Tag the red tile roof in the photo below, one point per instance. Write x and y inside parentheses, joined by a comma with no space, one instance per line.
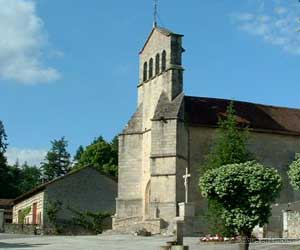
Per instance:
(205,111)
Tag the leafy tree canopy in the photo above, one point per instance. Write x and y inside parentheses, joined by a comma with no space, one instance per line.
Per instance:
(245,192)
(102,155)
(57,161)
(294,172)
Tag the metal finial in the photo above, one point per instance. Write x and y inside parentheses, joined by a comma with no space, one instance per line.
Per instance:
(155,13)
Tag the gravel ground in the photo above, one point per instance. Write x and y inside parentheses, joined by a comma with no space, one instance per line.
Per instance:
(116,242)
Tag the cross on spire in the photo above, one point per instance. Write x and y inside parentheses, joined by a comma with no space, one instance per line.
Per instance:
(155,13)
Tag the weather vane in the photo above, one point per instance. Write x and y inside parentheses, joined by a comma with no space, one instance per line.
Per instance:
(155,13)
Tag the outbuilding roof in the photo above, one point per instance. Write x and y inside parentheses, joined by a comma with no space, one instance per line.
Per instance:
(6,202)
(43,186)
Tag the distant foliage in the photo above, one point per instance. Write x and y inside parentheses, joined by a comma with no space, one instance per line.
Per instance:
(78,154)
(294,172)
(8,185)
(30,177)
(3,147)
(244,191)
(57,161)
(3,141)
(102,155)
(16,179)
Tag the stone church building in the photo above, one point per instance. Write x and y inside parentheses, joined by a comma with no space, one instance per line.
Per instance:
(170,133)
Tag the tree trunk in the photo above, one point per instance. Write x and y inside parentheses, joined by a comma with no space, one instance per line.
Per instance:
(245,241)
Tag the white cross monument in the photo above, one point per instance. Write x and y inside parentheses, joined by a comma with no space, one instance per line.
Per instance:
(186,208)
(186,185)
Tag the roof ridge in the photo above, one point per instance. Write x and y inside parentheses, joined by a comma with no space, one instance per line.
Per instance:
(248,102)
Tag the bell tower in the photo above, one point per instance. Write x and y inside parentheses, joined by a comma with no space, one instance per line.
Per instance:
(148,159)
(160,70)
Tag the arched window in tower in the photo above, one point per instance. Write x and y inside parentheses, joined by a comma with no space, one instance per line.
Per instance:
(157,64)
(150,68)
(164,61)
(145,71)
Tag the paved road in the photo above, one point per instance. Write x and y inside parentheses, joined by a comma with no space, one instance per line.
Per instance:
(113,242)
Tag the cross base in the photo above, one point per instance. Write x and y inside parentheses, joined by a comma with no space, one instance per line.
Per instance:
(186,209)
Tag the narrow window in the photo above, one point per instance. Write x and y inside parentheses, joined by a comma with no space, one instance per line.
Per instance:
(157,64)
(145,72)
(164,61)
(150,68)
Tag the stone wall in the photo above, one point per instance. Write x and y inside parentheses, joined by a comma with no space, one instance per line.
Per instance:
(291,224)
(86,190)
(20,229)
(272,150)
(168,164)
(130,191)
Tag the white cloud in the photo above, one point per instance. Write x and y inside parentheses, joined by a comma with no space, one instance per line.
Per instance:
(280,10)
(31,156)
(243,16)
(275,21)
(22,39)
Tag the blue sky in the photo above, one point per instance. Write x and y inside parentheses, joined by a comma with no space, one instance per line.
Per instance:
(70,67)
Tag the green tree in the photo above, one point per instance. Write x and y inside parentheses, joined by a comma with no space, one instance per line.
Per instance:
(78,153)
(14,180)
(3,145)
(294,172)
(57,161)
(245,192)
(115,146)
(230,146)
(30,177)
(100,154)
(7,187)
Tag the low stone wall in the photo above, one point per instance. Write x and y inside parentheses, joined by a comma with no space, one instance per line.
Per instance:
(291,224)
(66,227)
(133,224)
(20,229)
(125,222)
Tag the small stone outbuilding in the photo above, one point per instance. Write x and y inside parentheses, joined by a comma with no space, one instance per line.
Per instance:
(85,189)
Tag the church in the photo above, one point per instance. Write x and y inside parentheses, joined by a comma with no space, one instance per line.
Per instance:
(164,145)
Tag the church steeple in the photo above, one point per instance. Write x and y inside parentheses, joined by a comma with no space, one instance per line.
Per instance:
(161,58)
(160,69)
